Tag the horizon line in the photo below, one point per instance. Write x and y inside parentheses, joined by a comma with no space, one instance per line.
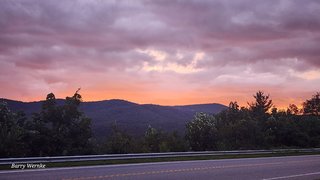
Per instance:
(204,103)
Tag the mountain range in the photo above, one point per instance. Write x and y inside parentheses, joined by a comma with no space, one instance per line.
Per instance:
(131,117)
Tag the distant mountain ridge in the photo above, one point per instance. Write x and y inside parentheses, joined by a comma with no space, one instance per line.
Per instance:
(132,117)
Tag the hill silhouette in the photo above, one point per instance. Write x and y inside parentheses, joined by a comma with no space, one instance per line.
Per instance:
(131,117)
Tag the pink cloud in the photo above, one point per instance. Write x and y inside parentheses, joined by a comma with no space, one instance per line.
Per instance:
(58,46)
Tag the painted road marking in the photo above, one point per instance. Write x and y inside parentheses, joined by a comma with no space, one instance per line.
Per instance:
(171,171)
(293,176)
(199,169)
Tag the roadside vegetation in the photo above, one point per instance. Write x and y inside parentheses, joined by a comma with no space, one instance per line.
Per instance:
(64,130)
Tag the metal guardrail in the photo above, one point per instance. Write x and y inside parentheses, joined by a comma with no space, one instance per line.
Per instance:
(4,161)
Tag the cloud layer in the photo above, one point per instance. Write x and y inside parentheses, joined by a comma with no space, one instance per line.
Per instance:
(165,52)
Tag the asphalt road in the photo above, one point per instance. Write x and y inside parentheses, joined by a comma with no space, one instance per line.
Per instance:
(292,167)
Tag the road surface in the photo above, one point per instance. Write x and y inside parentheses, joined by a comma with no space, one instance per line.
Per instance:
(272,168)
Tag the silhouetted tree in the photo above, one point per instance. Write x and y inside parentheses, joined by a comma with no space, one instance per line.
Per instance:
(312,106)
(60,130)
(152,139)
(262,103)
(119,142)
(175,142)
(293,109)
(202,133)
(12,132)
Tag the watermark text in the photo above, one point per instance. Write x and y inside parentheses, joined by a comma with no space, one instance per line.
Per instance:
(28,166)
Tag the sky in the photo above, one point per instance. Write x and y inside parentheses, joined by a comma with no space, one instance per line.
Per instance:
(166,52)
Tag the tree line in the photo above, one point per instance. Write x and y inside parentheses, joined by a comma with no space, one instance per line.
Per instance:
(65,130)
(258,126)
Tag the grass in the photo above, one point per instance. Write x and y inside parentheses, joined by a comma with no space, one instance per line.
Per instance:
(164,159)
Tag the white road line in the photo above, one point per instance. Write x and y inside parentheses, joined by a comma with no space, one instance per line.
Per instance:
(292,176)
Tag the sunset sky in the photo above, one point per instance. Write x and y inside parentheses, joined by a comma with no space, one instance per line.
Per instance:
(161,52)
